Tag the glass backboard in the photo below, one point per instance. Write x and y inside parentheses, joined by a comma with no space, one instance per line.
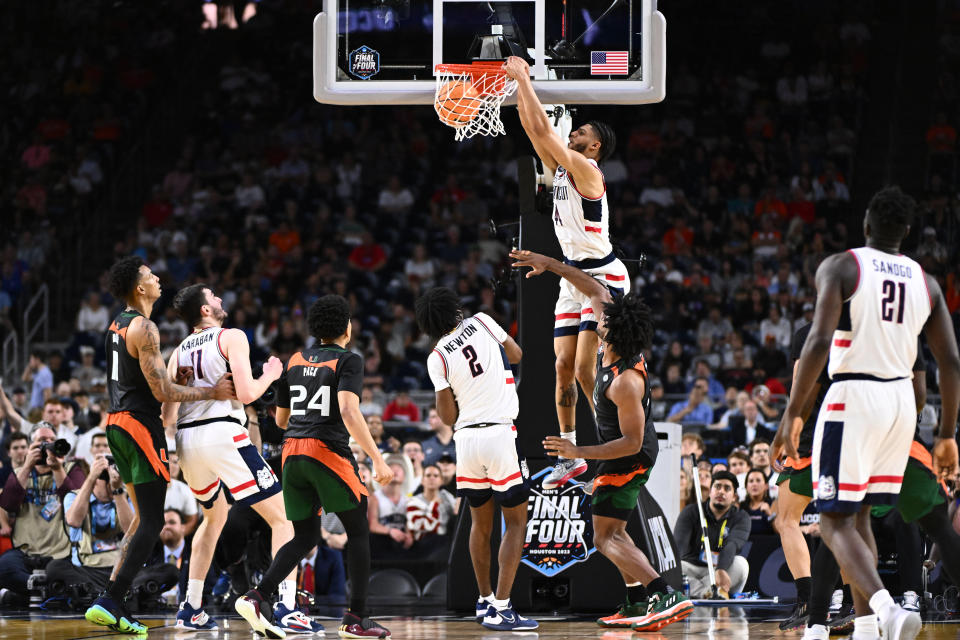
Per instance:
(580,51)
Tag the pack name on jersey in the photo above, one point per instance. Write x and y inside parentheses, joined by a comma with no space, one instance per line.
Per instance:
(197,341)
(457,342)
(892,268)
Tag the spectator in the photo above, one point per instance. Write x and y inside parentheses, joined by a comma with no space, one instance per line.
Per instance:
(691,444)
(714,325)
(38,374)
(413,450)
(391,444)
(93,317)
(86,372)
(757,504)
(715,390)
(67,428)
(429,513)
(448,469)
(750,426)
(732,405)
(658,404)
(387,513)
(179,498)
(395,198)
(369,406)
(931,253)
(738,462)
(171,562)
(92,444)
(441,442)
(15,448)
(728,529)
(696,409)
(33,493)
(401,408)
(761,395)
(941,136)
(777,327)
(760,455)
(420,266)
(368,255)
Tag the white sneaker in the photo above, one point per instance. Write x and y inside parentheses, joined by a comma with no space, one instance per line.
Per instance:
(836,602)
(901,625)
(816,632)
(565,469)
(911,601)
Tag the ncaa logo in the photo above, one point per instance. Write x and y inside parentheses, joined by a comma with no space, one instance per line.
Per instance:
(364,62)
(265,478)
(826,488)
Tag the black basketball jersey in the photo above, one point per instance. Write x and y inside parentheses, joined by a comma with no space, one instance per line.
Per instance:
(608,418)
(128,387)
(806,435)
(309,389)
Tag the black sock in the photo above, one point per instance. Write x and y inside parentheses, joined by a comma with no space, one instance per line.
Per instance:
(803,589)
(847,595)
(657,585)
(357,528)
(306,533)
(636,593)
(150,497)
(824,574)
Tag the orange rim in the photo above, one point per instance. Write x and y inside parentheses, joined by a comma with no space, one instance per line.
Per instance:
(492,67)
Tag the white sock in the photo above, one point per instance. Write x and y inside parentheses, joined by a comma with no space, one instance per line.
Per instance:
(488,598)
(881,603)
(195,593)
(866,627)
(569,437)
(817,631)
(288,593)
(500,605)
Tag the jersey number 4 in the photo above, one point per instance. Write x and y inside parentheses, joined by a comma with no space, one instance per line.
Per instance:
(893,297)
(471,355)
(319,402)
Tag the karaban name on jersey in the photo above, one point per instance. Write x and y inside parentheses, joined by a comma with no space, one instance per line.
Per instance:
(309,389)
(472,362)
(880,321)
(582,224)
(201,350)
(127,387)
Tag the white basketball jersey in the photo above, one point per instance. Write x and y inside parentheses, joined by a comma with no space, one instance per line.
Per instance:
(880,322)
(472,362)
(582,224)
(201,350)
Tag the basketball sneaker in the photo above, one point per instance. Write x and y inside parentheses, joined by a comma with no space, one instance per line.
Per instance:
(836,602)
(294,620)
(565,469)
(911,601)
(664,609)
(797,618)
(507,619)
(816,632)
(841,624)
(482,605)
(256,612)
(353,626)
(900,624)
(190,619)
(626,615)
(107,612)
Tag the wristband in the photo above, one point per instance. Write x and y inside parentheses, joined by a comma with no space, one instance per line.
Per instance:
(119,492)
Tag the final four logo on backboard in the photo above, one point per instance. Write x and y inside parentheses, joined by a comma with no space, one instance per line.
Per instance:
(364,62)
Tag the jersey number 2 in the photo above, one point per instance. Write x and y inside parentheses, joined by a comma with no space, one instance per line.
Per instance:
(319,402)
(471,355)
(892,291)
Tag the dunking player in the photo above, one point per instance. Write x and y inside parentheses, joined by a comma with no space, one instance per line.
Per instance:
(216,452)
(581,220)
(137,383)
(318,403)
(872,303)
(628,448)
(923,499)
(476,393)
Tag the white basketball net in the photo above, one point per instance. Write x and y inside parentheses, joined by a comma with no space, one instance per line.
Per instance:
(489,90)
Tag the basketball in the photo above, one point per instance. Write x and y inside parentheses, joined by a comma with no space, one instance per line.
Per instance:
(457,103)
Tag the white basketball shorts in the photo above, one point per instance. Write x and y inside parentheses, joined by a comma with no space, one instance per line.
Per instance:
(574,311)
(488,464)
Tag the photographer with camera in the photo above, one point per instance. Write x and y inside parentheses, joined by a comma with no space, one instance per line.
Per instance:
(33,493)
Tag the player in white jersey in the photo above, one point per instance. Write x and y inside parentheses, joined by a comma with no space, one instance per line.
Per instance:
(476,393)
(216,452)
(581,220)
(872,303)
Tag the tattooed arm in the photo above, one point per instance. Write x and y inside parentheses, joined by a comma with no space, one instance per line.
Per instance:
(145,339)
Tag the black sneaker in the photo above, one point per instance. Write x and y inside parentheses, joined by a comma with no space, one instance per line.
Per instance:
(257,612)
(797,619)
(353,626)
(842,623)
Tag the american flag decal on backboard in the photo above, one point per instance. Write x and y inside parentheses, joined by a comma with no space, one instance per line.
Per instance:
(608,62)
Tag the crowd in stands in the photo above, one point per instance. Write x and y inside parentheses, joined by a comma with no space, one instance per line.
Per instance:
(735,188)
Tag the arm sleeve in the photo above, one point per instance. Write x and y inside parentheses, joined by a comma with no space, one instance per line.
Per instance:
(735,540)
(437,368)
(351,374)
(283,391)
(495,329)
(13,494)
(72,482)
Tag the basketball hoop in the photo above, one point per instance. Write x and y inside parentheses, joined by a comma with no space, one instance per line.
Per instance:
(468,97)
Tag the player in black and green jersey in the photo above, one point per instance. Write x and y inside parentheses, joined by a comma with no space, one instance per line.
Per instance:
(318,403)
(628,444)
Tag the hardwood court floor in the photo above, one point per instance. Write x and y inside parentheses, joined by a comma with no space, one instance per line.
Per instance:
(709,625)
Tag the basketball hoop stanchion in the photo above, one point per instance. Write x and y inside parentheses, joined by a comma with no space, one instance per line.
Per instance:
(469,96)
(707,554)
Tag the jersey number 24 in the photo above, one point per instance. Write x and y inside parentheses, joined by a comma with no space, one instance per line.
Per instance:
(319,402)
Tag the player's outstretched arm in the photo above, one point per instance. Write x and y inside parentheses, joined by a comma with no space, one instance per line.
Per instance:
(943,344)
(237,350)
(356,425)
(145,338)
(587,285)
(626,392)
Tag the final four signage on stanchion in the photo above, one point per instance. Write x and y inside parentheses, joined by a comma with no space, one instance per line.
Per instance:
(559,526)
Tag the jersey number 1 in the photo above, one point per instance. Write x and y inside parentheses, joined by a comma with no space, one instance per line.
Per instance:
(471,355)
(891,292)
(319,402)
